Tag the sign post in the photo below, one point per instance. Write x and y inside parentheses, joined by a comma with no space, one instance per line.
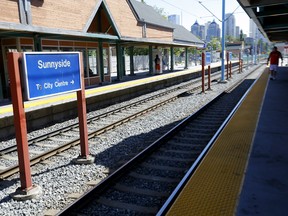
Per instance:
(203,72)
(45,74)
(27,190)
(53,73)
(227,66)
(230,64)
(85,157)
(208,62)
(239,61)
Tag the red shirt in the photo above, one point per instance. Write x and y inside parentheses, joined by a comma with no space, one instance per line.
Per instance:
(274,57)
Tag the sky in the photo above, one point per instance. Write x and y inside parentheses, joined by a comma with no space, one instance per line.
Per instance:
(192,10)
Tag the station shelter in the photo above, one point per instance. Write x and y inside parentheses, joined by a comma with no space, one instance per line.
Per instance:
(100,29)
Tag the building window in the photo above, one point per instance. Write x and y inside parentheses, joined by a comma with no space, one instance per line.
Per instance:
(106,60)
(92,62)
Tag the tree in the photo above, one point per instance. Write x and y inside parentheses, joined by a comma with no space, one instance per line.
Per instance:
(158,10)
(214,44)
(161,11)
(138,51)
(241,35)
(230,38)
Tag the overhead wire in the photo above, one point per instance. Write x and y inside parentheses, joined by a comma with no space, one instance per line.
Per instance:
(209,11)
(200,2)
(188,12)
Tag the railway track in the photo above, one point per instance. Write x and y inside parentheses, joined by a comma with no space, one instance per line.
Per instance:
(143,184)
(55,142)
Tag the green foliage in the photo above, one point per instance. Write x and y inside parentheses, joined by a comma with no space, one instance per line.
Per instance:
(161,11)
(230,38)
(241,35)
(137,51)
(178,51)
(214,44)
(158,10)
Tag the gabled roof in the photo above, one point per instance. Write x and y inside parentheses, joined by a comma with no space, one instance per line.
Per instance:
(101,21)
(147,14)
(182,35)
(46,21)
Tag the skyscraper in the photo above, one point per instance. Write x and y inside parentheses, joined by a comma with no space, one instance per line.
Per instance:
(213,31)
(252,29)
(206,28)
(174,18)
(230,25)
(195,28)
(237,32)
(202,32)
(198,30)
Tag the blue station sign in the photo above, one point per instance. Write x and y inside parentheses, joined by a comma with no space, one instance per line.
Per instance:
(51,73)
(208,58)
(230,56)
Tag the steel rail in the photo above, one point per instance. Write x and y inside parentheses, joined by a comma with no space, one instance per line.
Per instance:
(56,150)
(95,192)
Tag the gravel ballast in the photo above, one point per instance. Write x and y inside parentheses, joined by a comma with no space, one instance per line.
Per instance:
(60,179)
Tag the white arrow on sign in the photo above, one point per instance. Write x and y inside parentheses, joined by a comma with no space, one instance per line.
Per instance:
(72,82)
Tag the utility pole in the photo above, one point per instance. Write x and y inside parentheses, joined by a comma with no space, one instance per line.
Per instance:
(223,42)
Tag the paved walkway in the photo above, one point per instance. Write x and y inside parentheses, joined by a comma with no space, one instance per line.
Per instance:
(265,190)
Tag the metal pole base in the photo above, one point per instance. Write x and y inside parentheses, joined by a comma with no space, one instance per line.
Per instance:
(27,194)
(84,159)
(223,81)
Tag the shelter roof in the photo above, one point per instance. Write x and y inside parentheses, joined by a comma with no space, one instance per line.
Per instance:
(271,17)
(147,14)
(181,35)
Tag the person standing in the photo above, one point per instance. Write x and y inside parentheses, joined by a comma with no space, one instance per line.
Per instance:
(157,64)
(274,57)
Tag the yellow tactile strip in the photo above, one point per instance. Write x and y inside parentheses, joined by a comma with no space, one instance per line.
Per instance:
(214,188)
(99,90)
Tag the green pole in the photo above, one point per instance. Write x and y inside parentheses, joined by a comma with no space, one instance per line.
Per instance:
(186,58)
(150,60)
(131,60)
(123,66)
(172,58)
(101,62)
(119,61)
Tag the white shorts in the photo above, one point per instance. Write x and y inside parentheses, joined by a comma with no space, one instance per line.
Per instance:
(273,67)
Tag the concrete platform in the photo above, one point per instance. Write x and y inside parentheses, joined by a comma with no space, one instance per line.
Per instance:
(265,186)
(245,172)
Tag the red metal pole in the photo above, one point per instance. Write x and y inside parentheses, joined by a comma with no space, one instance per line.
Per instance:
(203,72)
(230,69)
(82,115)
(19,120)
(227,73)
(209,77)
(239,62)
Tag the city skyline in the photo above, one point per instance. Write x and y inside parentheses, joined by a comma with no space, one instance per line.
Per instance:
(201,31)
(191,10)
